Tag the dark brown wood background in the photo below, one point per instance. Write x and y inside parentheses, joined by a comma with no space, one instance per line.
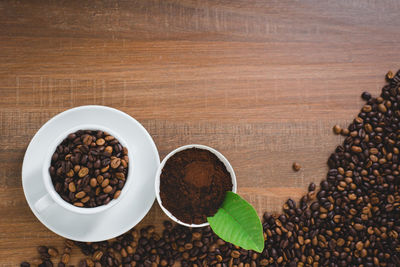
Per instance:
(261,81)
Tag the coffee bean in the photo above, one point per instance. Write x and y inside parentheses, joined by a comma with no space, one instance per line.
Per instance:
(235,254)
(83,172)
(100,142)
(367,108)
(120,175)
(115,163)
(82,263)
(65,258)
(124,163)
(107,189)
(80,194)
(108,150)
(71,136)
(100,179)
(296,166)
(117,194)
(93,182)
(97,255)
(105,169)
(71,187)
(337,129)
(105,183)
(85,162)
(89,262)
(85,199)
(366,96)
(53,252)
(109,138)
(311,187)
(42,249)
(389,75)
(345,132)
(382,108)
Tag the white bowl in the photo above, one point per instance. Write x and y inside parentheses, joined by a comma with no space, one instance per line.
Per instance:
(158,174)
(49,185)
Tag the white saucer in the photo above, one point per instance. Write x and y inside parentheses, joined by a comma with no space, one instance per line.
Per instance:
(123,215)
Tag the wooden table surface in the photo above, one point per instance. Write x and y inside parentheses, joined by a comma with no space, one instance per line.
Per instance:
(261,81)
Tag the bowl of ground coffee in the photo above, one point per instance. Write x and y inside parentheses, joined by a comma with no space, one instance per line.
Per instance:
(191,184)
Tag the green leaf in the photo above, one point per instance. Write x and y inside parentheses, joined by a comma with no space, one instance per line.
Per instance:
(237,222)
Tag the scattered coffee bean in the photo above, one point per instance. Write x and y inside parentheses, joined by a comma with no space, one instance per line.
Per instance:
(296,166)
(65,258)
(53,252)
(80,164)
(337,129)
(312,187)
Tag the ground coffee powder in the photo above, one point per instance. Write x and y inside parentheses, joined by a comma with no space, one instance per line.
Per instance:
(193,184)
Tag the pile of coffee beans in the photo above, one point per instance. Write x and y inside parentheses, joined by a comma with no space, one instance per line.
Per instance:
(351,219)
(89,168)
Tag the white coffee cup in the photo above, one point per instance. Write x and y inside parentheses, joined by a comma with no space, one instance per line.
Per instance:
(53,198)
(158,174)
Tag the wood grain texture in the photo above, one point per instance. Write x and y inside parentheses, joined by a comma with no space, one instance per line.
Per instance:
(261,81)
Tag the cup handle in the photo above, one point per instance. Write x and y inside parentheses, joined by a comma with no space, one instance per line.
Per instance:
(44,203)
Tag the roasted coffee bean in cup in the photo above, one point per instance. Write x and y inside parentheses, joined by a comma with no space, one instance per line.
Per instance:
(89,168)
